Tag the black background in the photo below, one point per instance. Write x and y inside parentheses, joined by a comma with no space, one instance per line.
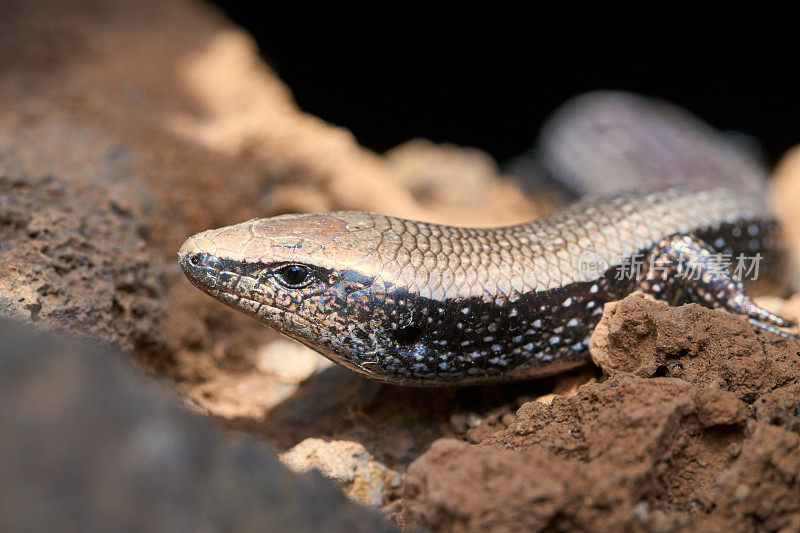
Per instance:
(388,87)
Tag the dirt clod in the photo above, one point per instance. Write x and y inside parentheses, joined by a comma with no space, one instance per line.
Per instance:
(719,408)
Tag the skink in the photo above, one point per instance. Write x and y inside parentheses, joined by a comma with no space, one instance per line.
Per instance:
(425,304)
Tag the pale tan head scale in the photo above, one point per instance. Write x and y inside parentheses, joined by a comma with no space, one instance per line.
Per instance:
(334,240)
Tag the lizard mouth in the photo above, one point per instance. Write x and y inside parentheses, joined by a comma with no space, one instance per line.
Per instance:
(206,273)
(287,323)
(221,284)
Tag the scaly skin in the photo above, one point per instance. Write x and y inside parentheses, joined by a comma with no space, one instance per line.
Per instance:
(424,304)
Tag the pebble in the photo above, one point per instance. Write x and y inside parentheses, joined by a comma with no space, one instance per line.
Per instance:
(289,361)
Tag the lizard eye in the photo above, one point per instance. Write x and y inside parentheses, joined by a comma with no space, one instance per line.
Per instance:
(294,276)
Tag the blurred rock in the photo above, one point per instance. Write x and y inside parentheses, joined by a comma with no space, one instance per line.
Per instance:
(289,361)
(464,183)
(786,198)
(780,407)
(89,444)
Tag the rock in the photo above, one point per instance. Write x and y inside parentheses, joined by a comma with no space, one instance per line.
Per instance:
(759,491)
(461,422)
(364,479)
(458,422)
(641,142)
(75,260)
(89,444)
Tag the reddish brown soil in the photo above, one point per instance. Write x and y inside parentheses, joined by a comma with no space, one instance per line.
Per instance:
(696,427)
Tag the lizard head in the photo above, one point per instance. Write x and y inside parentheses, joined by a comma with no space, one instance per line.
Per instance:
(314,278)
